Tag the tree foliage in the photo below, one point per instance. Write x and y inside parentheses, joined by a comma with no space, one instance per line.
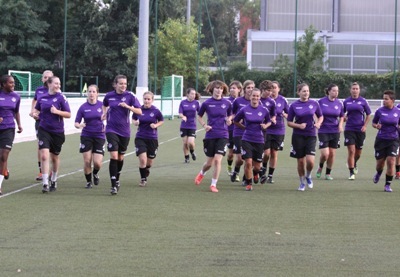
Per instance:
(176,52)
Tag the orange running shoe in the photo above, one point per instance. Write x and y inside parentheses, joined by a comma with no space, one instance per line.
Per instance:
(39,177)
(213,189)
(198,179)
(397,175)
(249,188)
(6,174)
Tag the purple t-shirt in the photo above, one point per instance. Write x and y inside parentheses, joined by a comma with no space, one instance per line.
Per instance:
(332,112)
(40,92)
(230,127)
(50,122)
(356,110)
(118,118)
(389,120)
(270,104)
(91,114)
(149,116)
(238,104)
(252,118)
(303,112)
(281,105)
(189,109)
(217,111)
(9,106)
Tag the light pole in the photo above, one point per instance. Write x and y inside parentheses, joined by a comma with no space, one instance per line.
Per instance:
(65,44)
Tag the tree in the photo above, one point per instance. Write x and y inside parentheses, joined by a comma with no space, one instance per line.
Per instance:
(177,52)
(310,54)
(22,37)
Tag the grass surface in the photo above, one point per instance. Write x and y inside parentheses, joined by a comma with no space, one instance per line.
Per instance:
(173,228)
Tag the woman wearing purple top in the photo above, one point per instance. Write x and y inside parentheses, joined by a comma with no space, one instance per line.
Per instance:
(219,112)
(357,115)
(329,133)
(39,92)
(239,103)
(188,109)
(9,111)
(398,158)
(52,109)
(146,141)
(301,119)
(92,136)
(254,119)
(235,91)
(117,106)
(386,120)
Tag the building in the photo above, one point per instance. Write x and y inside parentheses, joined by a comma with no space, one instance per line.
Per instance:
(359,35)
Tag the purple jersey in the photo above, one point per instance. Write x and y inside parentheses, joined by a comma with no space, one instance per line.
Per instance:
(40,92)
(50,122)
(356,110)
(149,116)
(281,106)
(118,118)
(217,110)
(238,104)
(332,112)
(389,120)
(189,109)
(303,112)
(252,119)
(270,104)
(9,106)
(91,114)
(231,99)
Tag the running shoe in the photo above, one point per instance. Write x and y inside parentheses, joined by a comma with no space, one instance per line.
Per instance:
(6,174)
(96,179)
(309,182)
(256,178)
(269,180)
(328,177)
(355,170)
(114,190)
(142,183)
(53,186)
(229,170)
(117,185)
(263,179)
(302,187)
(319,172)
(88,185)
(39,177)
(237,178)
(352,177)
(388,188)
(198,179)
(263,171)
(234,177)
(213,189)
(45,188)
(187,161)
(194,157)
(376,177)
(397,175)
(249,188)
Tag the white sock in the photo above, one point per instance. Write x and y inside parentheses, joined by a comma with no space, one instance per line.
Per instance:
(202,172)
(308,175)
(54,176)
(45,179)
(1,180)
(214,182)
(302,180)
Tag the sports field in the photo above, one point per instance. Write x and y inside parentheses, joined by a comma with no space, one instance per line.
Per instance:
(173,228)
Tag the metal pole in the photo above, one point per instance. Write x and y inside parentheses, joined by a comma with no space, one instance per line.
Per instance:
(198,45)
(295,53)
(189,4)
(65,44)
(143,49)
(155,49)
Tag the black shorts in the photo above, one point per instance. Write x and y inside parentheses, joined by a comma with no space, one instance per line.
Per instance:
(275,142)
(96,145)
(7,138)
(214,146)
(188,132)
(148,146)
(386,148)
(237,145)
(302,146)
(354,138)
(117,143)
(51,141)
(37,122)
(252,150)
(329,140)
(230,143)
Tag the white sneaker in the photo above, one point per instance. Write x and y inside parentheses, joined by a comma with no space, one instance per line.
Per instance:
(310,183)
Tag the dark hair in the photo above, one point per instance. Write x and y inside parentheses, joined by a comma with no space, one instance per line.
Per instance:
(300,86)
(266,85)
(390,93)
(119,76)
(50,80)
(248,82)
(4,79)
(217,83)
(197,95)
(277,83)
(328,89)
